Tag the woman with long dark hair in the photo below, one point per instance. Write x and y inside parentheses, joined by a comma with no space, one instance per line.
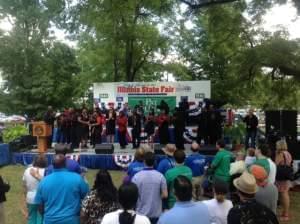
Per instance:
(101,200)
(128,196)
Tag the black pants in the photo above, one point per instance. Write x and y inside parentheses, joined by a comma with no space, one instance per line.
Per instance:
(66,135)
(96,137)
(74,138)
(179,140)
(122,138)
(136,139)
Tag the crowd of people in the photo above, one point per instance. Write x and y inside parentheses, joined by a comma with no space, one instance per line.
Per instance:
(76,127)
(235,187)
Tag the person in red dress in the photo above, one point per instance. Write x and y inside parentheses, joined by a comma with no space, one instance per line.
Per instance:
(122,129)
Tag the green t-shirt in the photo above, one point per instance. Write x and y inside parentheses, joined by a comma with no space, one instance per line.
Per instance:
(264,163)
(221,164)
(170,177)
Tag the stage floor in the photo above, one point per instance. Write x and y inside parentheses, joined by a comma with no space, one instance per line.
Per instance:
(119,160)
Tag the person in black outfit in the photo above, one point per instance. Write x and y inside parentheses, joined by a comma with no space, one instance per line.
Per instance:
(150,128)
(111,125)
(49,119)
(66,126)
(75,139)
(163,106)
(83,121)
(136,130)
(4,188)
(251,128)
(214,125)
(163,127)
(248,210)
(202,131)
(179,127)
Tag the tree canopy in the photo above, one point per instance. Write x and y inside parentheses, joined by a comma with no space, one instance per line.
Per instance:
(141,40)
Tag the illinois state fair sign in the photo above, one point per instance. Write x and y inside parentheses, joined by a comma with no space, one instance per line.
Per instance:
(154,92)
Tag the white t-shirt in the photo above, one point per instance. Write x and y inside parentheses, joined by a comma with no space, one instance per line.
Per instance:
(218,211)
(31,183)
(113,218)
(272,174)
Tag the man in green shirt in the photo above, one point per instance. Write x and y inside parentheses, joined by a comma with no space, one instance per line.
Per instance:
(221,162)
(179,169)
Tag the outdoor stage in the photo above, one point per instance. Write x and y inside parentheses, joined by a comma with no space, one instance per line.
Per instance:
(117,161)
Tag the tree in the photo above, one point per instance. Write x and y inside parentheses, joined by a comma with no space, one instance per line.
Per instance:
(38,71)
(120,39)
(228,49)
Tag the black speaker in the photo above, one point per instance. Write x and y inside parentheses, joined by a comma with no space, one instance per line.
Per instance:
(104,149)
(210,150)
(63,148)
(22,143)
(282,123)
(158,149)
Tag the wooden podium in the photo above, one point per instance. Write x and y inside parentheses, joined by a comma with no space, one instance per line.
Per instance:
(42,131)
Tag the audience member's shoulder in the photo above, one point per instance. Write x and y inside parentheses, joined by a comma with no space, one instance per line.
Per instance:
(141,219)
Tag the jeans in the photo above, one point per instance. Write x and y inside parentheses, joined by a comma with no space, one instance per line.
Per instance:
(250,135)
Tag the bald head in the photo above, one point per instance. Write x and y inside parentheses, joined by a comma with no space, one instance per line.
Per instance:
(59,161)
(195,147)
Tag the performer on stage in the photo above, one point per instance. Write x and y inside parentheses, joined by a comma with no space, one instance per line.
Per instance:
(214,125)
(251,128)
(136,130)
(49,119)
(179,126)
(163,127)
(202,131)
(111,125)
(96,123)
(75,137)
(66,126)
(84,120)
(122,129)
(150,129)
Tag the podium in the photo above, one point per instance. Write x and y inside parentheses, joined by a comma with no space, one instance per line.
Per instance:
(42,131)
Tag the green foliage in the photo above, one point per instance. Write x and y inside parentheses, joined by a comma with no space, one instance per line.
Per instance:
(38,70)
(14,131)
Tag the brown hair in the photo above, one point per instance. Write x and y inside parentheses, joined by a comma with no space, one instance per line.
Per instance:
(220,190)
(251,152)
(40,161)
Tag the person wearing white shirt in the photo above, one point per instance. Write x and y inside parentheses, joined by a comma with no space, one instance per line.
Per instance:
(219,206)
(31,178)
(128,195)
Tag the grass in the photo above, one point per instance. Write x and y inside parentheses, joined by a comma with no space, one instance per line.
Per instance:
(13,174)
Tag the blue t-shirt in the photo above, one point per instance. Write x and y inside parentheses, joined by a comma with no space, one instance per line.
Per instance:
(186,212)
(134,168)
(71,165)
(196,163)
(61,194)
(166,164)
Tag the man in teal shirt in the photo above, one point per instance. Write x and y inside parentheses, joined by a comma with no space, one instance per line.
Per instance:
(60,194)
(179,169)
(221,162)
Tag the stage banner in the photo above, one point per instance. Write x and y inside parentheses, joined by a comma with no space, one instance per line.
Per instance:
(121,92)
(152,102)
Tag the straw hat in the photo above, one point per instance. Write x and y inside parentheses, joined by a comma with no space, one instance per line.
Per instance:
(169,149)
(260,175)
(246,183)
